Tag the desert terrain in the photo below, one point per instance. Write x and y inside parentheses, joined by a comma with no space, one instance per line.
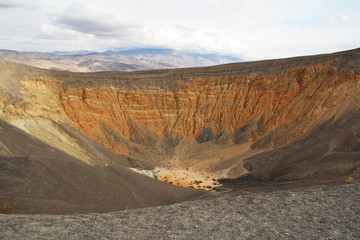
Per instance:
(100,142)
(125,60)
(321,212)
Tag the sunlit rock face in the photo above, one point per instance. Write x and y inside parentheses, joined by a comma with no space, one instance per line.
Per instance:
(237,108)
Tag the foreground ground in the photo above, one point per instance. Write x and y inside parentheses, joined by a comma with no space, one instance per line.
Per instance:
(321,212)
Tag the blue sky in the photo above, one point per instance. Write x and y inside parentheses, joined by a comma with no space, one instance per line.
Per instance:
(250,29)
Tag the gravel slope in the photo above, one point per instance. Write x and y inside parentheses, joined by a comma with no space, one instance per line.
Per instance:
(321,212)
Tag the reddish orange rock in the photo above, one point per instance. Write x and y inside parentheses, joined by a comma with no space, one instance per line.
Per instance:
(285,106)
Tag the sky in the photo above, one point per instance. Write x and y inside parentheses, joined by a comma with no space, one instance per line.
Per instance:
(249,29)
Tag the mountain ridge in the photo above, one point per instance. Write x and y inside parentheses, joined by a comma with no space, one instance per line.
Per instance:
(114,60)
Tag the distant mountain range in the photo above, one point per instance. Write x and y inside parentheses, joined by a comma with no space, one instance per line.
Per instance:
(125,60)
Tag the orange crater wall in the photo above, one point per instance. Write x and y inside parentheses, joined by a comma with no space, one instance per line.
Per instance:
(114,117)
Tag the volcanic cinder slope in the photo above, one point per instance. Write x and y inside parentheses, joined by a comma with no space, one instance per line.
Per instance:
(68,139)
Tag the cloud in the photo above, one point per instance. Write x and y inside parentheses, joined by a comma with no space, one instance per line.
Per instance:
(80,25)
(50,32)
(185,38)
(107,30)
(7,4)
(255,29)
(79,18)
(346,18)
(104,26)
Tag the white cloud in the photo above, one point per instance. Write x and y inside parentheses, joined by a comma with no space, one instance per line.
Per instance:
(80,18)
(51,32)
(346,18)
(7,4)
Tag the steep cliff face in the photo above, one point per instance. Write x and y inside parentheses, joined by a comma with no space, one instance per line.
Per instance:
(36,110)
(29,102)
(238,108)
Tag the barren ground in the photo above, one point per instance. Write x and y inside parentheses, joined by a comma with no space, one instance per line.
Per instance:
(321,212)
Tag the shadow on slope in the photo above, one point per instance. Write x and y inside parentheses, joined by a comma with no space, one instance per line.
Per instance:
(327,155)
(41,179)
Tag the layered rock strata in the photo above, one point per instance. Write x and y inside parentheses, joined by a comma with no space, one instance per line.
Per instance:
(238,108)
